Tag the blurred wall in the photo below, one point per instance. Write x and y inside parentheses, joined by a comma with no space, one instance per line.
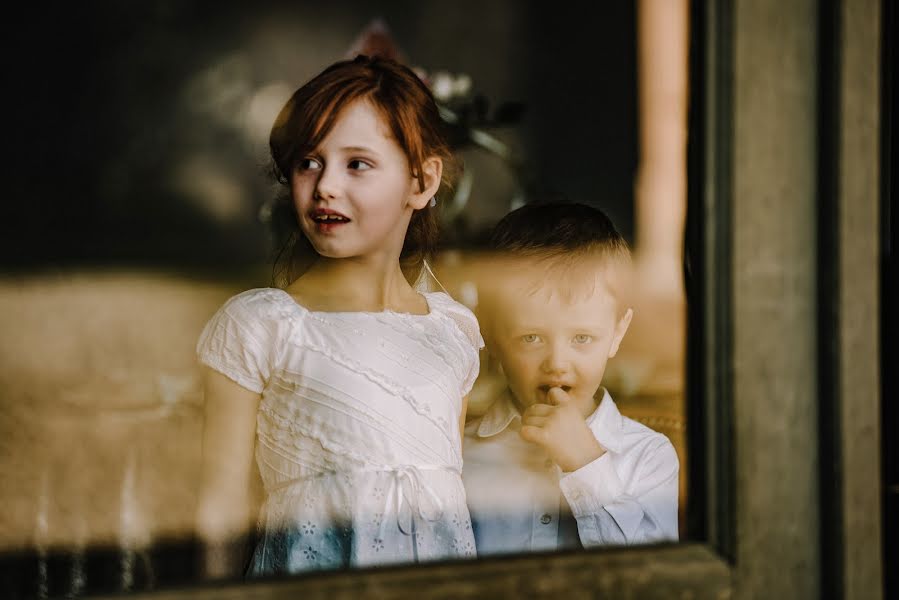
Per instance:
(138,130)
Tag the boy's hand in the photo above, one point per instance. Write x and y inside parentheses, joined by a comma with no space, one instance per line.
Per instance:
(560,429)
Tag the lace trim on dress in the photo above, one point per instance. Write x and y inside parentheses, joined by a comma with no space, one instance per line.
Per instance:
(288,433)
(284,431)
(463,318)
(271,449)
(464,326)
(460,319)
(390,387)
(292,409)
(435,342)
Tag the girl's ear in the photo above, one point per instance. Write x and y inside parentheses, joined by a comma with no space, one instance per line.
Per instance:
(432,171)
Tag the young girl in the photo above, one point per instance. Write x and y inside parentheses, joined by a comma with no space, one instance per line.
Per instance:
(349,383)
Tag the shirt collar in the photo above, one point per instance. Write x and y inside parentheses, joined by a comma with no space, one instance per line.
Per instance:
(605,422)
(499,416)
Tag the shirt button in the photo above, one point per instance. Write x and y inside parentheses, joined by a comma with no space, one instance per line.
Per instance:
(545,519)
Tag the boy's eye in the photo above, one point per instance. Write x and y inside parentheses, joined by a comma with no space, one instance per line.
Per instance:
(359,165)
(308,164)
(530,338)
(583,338)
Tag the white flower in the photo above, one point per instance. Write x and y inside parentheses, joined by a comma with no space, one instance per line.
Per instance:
(462,85)
(442,86)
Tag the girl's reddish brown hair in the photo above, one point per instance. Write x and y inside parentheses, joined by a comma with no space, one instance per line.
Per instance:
(407,107)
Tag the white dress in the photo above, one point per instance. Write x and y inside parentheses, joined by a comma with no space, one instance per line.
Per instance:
(358,440)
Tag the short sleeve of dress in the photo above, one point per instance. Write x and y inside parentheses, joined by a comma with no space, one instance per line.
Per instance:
(237,342)
(468,325)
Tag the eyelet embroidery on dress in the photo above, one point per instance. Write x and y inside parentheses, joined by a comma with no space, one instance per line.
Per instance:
(310,553)
(308,528)
(422,542)
(377,544)
(465,548)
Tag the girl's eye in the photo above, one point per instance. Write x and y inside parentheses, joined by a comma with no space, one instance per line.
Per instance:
(308,164)
(530,338)
(582,338)
(359,165)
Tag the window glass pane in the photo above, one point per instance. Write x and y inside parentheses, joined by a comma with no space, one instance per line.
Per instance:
(141,201)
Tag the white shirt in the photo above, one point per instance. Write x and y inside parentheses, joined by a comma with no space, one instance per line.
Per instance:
(517,496)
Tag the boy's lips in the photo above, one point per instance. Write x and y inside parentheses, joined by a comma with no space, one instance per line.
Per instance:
(544,388)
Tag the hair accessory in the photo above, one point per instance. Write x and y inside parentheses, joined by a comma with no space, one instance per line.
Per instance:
(433,201)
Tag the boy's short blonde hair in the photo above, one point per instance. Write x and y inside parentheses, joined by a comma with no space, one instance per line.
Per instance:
(564,244)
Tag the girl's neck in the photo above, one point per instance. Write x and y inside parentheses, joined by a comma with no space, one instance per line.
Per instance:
(352,285)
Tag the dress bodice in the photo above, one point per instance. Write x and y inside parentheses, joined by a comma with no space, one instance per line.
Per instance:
(358,423)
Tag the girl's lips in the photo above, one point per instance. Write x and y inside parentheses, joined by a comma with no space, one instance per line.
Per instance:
(325,215)
(328,226)
(327,220)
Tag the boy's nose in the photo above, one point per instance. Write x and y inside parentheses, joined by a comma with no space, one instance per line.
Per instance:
(555,362)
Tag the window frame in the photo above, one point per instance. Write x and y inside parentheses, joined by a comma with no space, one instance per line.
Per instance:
(753,265)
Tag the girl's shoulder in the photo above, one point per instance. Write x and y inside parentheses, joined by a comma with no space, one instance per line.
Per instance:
(240,340)
(460,314)
(258,302)
(258,308)
(443,301)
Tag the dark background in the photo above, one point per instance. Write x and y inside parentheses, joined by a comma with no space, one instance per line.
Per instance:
(126,123)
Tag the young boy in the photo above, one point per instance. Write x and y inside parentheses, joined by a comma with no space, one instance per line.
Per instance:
(552,464)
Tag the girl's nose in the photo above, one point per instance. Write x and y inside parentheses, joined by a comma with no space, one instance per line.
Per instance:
(326,187)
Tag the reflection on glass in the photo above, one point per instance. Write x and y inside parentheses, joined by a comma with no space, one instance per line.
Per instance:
(646,376)
(102,416)
(552,463)
(347,383)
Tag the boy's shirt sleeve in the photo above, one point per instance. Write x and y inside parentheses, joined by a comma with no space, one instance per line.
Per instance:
(636,507)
